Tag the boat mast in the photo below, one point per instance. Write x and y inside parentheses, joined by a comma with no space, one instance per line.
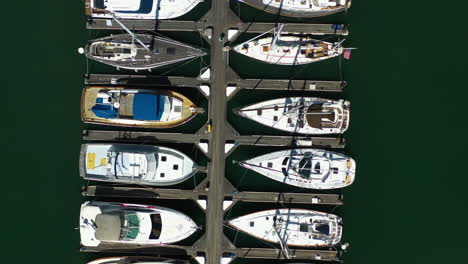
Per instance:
(129,31)
(284,247)
(277,33)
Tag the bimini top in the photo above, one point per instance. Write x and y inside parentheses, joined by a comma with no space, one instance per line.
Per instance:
(137,260)
(135,164)
(136,107)
(139,9)
(294,227)
(132,224)
(305,168)
(304,115)
(300,8)
(123,51)
(289,49)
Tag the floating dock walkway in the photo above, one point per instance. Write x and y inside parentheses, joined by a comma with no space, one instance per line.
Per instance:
(221,84)
(232,23)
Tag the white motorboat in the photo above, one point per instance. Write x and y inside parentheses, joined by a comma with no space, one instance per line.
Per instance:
(300,8)
(304,115)
(136,260)
(292,227)
(135,164)
(132,224)
(305,168)
(139,9)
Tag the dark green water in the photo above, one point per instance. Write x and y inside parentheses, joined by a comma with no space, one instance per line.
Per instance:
(408,130)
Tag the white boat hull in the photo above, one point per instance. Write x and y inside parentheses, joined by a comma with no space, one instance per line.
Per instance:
(141,9)
(305,168)
(135,164)
(295,227)
(289,50)
(291,114)
(118,223)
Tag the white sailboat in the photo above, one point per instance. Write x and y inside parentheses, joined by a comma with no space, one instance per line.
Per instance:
(139,9)
(305,168)
(291,49)
(135,164)
(292,227)
(300,8)
(304,115)
(132,224)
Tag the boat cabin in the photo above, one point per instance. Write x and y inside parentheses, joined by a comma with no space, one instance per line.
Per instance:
(113,50)
(120,226)
(144,106)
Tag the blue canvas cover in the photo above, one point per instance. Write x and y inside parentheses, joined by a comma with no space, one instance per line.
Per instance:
(149,107)
(104,110)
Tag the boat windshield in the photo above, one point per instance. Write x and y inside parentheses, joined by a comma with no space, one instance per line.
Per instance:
(156,226)
(130,226)
(99,4)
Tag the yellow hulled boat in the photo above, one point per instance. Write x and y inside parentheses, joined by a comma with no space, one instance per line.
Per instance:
(146,108)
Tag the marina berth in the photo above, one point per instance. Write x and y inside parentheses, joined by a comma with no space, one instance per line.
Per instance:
(132,224)
(139,51)
(292,227)
(135,164)
(303,115)
(300,8)
(136,260)
(117,106)
(139,9)
(305,168)
(289,49)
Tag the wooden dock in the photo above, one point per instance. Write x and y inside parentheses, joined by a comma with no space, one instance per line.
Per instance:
(213,246)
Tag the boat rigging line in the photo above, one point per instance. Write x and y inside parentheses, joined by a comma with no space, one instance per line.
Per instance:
(134,37)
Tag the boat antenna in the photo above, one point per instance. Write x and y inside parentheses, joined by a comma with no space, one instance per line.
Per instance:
(129,31)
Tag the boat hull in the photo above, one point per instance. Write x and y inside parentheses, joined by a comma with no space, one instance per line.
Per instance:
(88,100)
(300,13)
(95,164)
(136,260)
(162,51)
(288,222)
(107,223)
(287,114)
(305,168)
(149,10)
(289,50)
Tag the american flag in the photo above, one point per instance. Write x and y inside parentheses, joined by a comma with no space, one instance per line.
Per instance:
(347,54)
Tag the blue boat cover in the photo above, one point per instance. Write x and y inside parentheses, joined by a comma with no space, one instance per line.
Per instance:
(145,8)
(148,106)
(104,110)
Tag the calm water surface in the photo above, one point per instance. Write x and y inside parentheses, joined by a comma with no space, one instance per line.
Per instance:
(408,130)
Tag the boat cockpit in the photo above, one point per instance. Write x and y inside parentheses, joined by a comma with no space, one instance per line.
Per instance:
(308,166)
